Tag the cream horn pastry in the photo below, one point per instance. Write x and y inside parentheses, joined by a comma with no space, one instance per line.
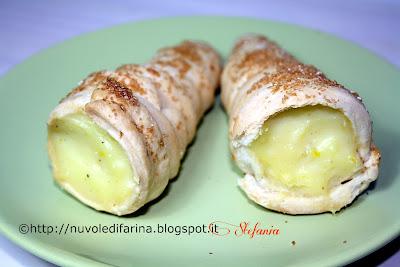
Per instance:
(302,140)
(116,140)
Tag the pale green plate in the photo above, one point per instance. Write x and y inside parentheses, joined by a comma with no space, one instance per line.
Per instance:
(205,191)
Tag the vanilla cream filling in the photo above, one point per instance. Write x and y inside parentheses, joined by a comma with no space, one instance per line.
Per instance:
(308,149)
(88,160)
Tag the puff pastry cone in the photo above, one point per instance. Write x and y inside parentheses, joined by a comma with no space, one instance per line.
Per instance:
(302,140)
(117,139)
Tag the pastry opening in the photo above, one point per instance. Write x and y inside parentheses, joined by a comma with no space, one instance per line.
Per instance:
(308,149)
(89,162)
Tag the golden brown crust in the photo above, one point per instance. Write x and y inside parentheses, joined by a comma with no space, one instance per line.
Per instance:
(118,91)
(188,50)
(288,73)
(260,80)
(152,110)
(93,79)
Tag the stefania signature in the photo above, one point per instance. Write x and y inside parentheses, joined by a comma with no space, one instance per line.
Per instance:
(221,228)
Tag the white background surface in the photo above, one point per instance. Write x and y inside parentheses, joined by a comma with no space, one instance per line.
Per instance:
(29,26)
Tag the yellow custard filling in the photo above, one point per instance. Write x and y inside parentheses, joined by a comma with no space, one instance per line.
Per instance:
(88,160)
(307,149)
